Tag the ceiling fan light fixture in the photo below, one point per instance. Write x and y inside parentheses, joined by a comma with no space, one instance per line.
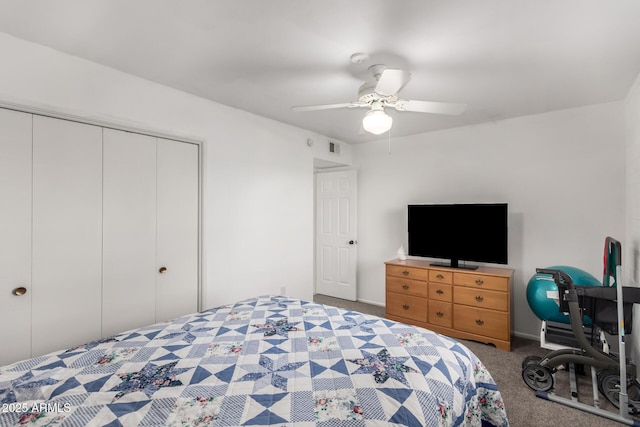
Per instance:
(377,122)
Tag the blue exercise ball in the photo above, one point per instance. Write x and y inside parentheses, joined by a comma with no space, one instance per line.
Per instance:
(541,291)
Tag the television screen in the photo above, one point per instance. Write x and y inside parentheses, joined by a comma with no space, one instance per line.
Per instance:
(459,232)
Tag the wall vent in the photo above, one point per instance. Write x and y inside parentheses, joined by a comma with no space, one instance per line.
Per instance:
(334,148)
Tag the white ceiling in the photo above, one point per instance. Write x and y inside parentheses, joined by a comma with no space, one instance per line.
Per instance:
(504,58)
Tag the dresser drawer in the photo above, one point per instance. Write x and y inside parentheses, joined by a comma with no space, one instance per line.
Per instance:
(494,324)
(481,281)
(440,276)
(407,272)
(407,286)
(440,313)
(407,306)
(440,292)
(481,298)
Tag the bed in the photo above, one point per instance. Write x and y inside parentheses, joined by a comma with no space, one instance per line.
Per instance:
(265,361)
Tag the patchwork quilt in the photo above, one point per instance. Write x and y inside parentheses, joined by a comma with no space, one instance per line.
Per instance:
(265,361)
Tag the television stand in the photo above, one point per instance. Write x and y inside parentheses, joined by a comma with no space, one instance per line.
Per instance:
(463,267)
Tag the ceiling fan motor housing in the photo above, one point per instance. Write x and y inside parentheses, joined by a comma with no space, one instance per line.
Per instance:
(367,94)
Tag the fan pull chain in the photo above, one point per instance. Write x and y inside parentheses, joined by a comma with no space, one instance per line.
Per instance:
(389,133)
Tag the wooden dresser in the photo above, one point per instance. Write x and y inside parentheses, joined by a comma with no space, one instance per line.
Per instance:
(467,304)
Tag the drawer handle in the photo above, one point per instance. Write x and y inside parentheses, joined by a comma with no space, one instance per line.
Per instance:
(405,287)
(479,322)
(439,292)
(479,282)
(440,276)
(479,298)
(439,314)
(405,306)
(405,272)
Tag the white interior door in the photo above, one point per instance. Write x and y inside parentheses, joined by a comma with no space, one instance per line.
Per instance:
(336,234)
(67,234)
(129,231)
(15,235)
(177,224)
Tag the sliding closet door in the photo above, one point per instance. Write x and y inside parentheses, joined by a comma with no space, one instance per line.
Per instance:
(15,236)
(129,231)
(67,233)
(177,216)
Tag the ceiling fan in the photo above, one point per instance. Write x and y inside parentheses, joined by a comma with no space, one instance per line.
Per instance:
(382,93)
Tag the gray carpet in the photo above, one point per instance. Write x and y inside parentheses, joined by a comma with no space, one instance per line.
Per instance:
(523,407)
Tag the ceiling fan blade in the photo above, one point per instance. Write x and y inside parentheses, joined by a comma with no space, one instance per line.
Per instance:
(391,81)
(325,106)
(430,107)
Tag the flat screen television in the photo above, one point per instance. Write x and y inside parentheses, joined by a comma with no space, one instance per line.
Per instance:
(459,232)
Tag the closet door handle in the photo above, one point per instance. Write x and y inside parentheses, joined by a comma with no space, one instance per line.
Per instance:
(19,291)
(162,270)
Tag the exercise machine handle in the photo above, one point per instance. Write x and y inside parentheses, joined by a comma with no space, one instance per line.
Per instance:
(559,276)
(614,248)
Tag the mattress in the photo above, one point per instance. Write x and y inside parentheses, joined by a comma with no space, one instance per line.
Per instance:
(269,360)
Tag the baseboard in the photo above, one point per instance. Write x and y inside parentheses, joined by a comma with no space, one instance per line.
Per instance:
(527,336)
(364,301)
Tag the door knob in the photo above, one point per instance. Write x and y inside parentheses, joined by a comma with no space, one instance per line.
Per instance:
(162,270)
(352,242)
(19,291)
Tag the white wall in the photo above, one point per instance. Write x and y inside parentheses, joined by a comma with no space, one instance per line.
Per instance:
(258,173)
(562,174)
(631,244)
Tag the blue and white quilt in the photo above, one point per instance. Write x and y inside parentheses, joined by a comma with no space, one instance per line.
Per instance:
(265,361)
